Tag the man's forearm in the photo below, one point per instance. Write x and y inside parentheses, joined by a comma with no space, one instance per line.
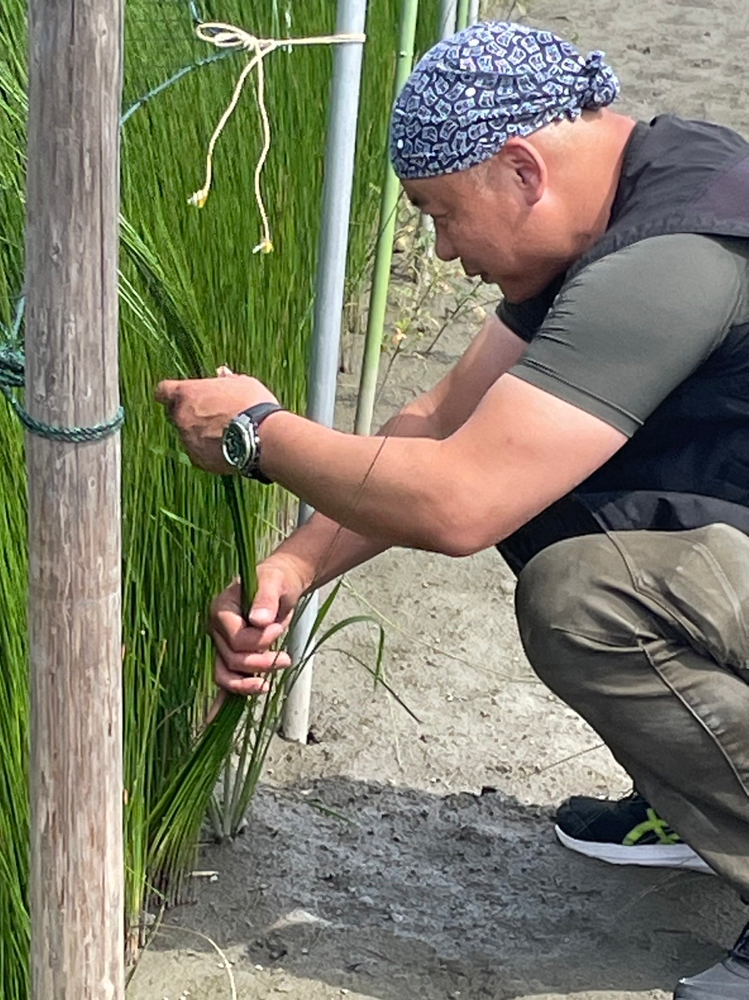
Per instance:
(322,548)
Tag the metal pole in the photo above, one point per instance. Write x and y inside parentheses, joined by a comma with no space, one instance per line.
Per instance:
(384,252)
(331,276)
(448,17)
(76,885)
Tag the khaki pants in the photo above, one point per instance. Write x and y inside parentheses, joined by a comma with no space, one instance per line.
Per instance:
(646,635)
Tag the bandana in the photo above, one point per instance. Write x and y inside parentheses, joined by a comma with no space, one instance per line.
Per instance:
(495,80)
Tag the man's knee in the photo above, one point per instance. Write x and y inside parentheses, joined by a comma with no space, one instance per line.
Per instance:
(568,597)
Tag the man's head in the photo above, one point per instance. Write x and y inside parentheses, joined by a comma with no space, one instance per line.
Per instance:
(493,135)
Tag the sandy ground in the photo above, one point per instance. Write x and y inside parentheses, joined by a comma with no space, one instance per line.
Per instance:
(397,860)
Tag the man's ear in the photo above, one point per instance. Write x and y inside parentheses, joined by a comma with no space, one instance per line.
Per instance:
(526,167)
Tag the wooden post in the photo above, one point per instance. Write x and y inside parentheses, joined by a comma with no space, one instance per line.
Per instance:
(75,73)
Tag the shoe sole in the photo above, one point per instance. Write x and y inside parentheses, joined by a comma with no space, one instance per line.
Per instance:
(729,980)
(643,855)
(729,991)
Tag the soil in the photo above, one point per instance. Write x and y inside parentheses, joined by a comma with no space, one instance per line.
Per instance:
(395,859)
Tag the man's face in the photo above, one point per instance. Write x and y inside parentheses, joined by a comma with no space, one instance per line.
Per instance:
(487,225)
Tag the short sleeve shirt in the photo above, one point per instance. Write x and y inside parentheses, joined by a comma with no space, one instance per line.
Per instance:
(629,328)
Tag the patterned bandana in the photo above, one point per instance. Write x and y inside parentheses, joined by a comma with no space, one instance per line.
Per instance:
(474,91)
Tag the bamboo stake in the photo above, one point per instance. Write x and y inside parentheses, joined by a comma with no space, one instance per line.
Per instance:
(462,18)
(331,277)
(384,253)
(474,11)
(75,70)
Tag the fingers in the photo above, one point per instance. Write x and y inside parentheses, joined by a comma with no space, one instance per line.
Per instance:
(169,390)
(216,398)
(263,611)
(237,672)
(216,707)
(269,615)
(237,684)
(236,681)
(243,663)
(166,392)
(228,624)
(245,650)
(240,636)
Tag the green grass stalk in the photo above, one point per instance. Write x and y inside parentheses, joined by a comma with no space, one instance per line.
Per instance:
(384,253)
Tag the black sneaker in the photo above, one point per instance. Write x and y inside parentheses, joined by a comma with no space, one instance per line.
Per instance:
(728,980)
(623,832)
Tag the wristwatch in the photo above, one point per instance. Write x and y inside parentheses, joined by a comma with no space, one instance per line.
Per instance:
(241,440)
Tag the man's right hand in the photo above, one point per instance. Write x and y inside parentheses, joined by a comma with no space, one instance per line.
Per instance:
(243,646)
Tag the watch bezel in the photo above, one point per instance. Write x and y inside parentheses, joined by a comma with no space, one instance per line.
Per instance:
(242,432)
(248,423)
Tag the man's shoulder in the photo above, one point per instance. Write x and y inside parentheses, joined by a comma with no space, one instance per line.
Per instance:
(676,129)
(670,184)
(678,176)
(669,160)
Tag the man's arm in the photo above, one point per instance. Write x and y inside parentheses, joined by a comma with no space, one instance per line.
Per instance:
(622,335)
(323,550)
(521,450)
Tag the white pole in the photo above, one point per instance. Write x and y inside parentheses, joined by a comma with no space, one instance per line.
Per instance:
(448,17)
(331,276)
(474,12)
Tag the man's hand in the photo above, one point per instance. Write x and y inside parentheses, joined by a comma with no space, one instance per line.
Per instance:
(201,409)
(242,649)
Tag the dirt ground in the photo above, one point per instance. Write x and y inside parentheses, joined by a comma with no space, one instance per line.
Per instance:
(395,860)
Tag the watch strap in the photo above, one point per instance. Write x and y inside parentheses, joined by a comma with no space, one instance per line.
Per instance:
(257,414)
(260,411)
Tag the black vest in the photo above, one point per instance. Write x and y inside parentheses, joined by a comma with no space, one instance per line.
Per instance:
(688,465)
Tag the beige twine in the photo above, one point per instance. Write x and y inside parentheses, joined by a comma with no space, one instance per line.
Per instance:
(227,36)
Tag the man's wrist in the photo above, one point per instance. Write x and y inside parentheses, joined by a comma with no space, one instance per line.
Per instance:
(288,563)
(271,443)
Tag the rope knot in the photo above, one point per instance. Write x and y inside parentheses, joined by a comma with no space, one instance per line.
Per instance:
(227,36)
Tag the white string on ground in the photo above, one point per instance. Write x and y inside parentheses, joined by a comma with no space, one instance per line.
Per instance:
(225,962)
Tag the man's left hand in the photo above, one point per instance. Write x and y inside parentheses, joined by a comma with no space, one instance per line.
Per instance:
(201,408)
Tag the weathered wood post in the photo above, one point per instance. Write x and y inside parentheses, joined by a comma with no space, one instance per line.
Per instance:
(75,73)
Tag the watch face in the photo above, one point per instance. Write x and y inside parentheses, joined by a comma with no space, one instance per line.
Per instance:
(237,445)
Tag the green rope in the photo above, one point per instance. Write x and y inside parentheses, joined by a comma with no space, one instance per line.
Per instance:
(12,377)
(11,367)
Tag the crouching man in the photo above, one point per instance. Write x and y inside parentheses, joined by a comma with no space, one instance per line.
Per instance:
(597,430)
